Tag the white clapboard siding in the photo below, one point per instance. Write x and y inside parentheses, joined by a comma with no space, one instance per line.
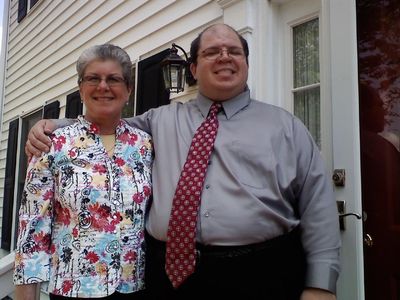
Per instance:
(42,49)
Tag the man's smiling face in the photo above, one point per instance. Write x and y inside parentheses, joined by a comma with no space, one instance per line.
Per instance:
(226,76)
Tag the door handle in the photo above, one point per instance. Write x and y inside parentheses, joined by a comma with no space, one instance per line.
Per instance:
(358,216)
(341,206)
(368,240)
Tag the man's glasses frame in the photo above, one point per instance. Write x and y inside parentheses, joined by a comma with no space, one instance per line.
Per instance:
(214,53)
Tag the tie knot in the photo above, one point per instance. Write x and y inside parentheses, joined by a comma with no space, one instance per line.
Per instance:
(215,108)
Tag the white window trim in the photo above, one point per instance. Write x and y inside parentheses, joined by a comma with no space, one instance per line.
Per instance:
(305,88)
(288,61)
(29,9)
(293,13)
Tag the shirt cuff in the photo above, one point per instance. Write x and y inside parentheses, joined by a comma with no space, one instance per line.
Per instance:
(29,270)
(322,276)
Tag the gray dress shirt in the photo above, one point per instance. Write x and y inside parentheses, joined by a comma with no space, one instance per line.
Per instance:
(265,177)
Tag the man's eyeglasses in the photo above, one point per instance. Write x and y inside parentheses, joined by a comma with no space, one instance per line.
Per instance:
(111,81)
(213,53)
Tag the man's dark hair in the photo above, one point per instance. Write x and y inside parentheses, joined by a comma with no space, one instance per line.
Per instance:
(195,45)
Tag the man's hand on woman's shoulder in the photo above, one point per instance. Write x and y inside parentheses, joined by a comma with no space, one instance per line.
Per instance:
(38,140)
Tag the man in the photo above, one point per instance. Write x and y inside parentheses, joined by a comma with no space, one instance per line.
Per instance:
(267,226)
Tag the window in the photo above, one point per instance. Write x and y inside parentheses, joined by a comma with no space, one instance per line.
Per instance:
(306,76)
(27,123)
(16,163)
(23,8)
(9,183)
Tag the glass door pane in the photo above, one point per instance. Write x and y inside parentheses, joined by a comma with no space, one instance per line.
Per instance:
(307,108)
(306,77)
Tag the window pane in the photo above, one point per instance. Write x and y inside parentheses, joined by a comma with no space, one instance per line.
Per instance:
(306,53)
(307,109)
(27,124)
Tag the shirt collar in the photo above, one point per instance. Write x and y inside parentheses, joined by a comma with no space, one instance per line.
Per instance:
(230,106)
(93,128)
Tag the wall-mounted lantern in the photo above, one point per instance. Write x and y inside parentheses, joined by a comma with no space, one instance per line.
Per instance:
(175,70)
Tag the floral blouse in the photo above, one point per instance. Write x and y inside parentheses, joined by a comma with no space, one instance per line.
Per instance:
(81,221)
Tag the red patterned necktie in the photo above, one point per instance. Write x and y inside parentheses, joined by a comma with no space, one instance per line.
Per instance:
(181,236)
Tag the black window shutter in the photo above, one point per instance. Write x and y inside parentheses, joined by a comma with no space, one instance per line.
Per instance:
(9,182)
(22,9)
(74,105)
(51,110)
(150,90)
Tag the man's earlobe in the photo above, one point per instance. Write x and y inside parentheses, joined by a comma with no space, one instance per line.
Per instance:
(193,68)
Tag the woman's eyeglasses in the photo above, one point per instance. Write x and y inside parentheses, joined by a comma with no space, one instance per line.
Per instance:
(111,81)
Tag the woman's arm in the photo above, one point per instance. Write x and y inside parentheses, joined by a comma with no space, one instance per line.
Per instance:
(32,255)
(26,291)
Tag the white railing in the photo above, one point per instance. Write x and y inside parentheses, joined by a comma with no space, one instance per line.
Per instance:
(6,275)
(7,287)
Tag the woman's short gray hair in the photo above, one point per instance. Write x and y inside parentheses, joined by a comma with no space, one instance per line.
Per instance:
(106,52)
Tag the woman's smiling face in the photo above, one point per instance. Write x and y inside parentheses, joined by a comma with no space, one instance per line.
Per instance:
(103,90)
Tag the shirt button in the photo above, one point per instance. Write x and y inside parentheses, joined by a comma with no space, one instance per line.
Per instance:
(207,186)
(206,214)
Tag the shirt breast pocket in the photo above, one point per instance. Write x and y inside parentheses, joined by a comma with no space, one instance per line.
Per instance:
(252,165)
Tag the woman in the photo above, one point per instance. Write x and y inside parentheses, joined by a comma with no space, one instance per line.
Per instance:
(81,224)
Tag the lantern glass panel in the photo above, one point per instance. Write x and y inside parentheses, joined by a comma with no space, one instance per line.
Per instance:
(176,76)
(167,76)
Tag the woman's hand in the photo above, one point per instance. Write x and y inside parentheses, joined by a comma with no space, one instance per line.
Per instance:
(26,291)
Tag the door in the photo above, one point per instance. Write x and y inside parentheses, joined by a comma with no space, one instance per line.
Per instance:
(378,28)
(336,89)
(338,107)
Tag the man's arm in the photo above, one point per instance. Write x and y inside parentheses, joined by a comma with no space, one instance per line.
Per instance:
(38,140)
(141,121)
(318,213)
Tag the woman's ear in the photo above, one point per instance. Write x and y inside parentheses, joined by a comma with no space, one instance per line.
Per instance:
(80,93)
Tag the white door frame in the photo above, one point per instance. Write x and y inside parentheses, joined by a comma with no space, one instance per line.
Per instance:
(339,120)
(346,142)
